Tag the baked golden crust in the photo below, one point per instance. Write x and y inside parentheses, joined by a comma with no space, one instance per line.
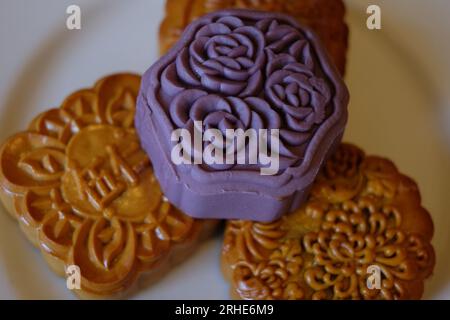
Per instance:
(84,193)
(325,17)
(361,213)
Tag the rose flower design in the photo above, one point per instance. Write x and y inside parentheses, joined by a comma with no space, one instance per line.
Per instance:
(193,106)
(325,17)
(287,42)
(292,85)
(249,70)
(226,56)
(302,97)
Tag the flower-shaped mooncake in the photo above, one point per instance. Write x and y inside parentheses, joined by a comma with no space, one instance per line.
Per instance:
(362,234)
(84,193)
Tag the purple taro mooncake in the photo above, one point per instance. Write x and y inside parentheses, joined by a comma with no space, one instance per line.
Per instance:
(255,89)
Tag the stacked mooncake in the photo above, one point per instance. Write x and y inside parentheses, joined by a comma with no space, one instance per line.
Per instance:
(115,183)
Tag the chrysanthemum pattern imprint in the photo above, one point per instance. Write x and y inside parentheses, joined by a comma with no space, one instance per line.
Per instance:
(362,212)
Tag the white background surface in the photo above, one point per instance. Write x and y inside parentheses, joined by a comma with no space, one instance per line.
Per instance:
(400,108)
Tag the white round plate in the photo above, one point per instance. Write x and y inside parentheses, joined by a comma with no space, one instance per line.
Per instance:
(394,112)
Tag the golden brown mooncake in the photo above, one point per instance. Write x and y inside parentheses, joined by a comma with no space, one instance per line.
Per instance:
(363,220)
(325,17)
(84,193)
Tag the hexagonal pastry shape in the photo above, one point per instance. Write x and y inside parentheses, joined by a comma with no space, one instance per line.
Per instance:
(241,70)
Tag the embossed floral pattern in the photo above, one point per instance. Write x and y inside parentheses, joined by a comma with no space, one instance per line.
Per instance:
(302,97)
(231,62)
(353,237)
(84,190)
(324,16)
(341,178)
(225,56)
(324,249)
(291,85)
(270,279)
(216,112)
(254,239)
